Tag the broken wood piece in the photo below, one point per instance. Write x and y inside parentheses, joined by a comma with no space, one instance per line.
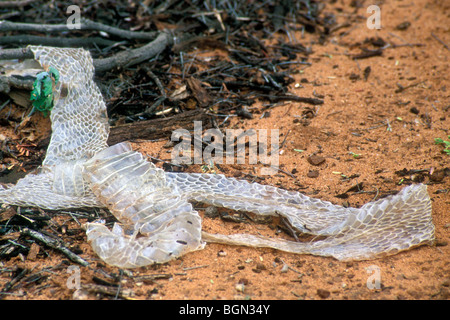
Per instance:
(150,278)
(85,24)
(368,54)
(315,160)
(288,97)
(132,57)
(157,128)
(199,92)
(56,41)
(108,290)
(55,244)
(21,273)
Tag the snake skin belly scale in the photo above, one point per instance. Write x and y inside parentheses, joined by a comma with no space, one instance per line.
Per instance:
(156,222)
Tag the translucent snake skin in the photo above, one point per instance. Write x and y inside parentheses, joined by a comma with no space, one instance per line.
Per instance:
(157,221)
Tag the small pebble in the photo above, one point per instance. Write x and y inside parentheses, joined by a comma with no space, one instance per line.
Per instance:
(440,243)
(323,293)
(240,287)
(221,253)
(211,212)
(316,160)
(403,26)
(414,110)
(80,294)
(260,266)
(312,174)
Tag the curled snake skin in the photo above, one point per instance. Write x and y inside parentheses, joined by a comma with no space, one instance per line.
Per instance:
(139,196)
(157,223)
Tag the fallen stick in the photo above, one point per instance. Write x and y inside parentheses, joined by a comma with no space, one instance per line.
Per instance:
(56,41)
(368,54)
(20,54)
(15,280)
(55,244)
(135,56)
(85,24)
(13,4)
(110,291)
(440,41)
(287,97)
(157,128)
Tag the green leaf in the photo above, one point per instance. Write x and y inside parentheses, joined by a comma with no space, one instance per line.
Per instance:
(42,93)
(36,92)
(54,73)
(445,143)
(47,86)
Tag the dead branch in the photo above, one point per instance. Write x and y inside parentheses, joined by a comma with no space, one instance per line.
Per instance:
(56,41)
(111,291)
(14,281)
(157,128)
(368,54)
(7,82)
(55,244)
(277,98)
(85,25)
(21,54)
(14,4)
(135,56)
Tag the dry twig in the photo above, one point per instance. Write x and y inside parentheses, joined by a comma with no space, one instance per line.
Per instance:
(85,25)
(55,244)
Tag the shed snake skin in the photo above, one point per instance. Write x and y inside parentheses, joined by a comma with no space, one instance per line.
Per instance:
(157,222)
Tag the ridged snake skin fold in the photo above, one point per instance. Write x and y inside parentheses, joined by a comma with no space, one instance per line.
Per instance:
(156,221)
(138,195)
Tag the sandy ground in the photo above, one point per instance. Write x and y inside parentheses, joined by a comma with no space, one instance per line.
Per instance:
(390,129)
